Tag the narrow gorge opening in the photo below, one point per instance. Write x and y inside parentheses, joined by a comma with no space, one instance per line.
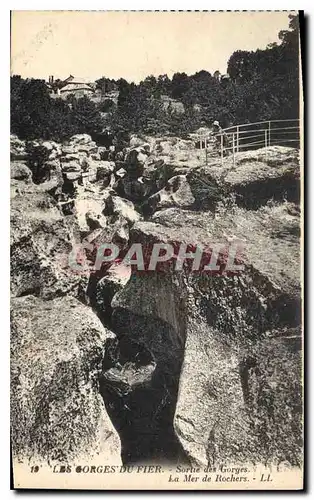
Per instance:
(140,392)
(139,384)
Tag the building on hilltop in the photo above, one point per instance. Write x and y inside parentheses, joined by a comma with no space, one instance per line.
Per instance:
(78,87)
(74,86)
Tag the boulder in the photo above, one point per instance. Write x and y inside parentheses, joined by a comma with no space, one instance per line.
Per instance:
(95,220)
(71,166)
(17,149)
(88,212)
(104,170)
(79,139)
(176,193)
(135,189)
(51,177)
(57,413)
(68,150)
(50,150)
(121,172)
(136,141)
(135,162)
(73,176)
(127,379)
(88,149)
(52,166)
(41,242)
(255,177)
(20,172)
(75,157)
(120,235)
(121,207)
(209,336)
(113,282)
(48,145)
(98,168)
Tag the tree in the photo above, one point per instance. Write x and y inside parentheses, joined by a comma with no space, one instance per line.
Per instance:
(30,103)
(35,115)
(163,85)
(86,118)
(179,85)
(263,85)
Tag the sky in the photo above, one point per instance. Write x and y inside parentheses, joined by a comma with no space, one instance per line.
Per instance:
(133,45)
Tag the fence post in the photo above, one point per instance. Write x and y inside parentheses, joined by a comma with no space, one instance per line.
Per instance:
(237,138)
(269,133)
(266,143)
(222,149)
(233,149)
(206,150)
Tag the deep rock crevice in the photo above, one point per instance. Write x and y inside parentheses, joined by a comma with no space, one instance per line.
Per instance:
(194,370)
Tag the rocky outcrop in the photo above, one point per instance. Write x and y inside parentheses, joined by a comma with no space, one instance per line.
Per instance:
(17,149)
(20,172)
(88,211)
(107,287)
(41,241)
(119,207)
(209,335)
(57,413)
(146,313)
(254,178)
(176,193)
(202,368)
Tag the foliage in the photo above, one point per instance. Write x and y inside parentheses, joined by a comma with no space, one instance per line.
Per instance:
(34,114)
(262,85)
(85,116)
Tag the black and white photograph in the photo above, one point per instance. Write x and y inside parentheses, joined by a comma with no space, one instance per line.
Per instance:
(156,203)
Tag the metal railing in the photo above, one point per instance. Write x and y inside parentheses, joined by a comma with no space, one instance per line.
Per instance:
(250,136)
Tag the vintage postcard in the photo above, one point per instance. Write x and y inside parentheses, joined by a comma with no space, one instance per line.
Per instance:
(156,229)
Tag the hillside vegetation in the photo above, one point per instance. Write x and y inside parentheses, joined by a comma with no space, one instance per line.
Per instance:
(262,85)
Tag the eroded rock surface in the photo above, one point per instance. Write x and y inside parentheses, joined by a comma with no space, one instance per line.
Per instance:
(206,332)
(190,367)
(57,413)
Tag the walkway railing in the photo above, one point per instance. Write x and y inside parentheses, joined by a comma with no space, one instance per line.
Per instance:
(250,136)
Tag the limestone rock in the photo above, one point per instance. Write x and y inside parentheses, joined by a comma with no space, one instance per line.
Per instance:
(57,413)
(88,212)
(176,193)
(80,139)
(209,335)
(41,242)
(20,172)
(17,149)
(121,207)
(114,281)
(104,169)
(71,166)
(256,177)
